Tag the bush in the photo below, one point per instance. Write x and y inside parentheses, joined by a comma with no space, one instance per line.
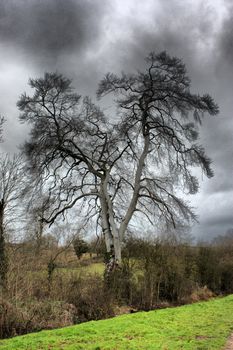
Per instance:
(33,316)
(201,294)
(90,298)
(80,247)
(13,320)
(52,314)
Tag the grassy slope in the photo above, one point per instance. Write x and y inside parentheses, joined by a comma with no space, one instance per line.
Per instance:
(199,326)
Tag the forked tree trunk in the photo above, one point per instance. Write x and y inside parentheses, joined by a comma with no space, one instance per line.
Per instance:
(112,234)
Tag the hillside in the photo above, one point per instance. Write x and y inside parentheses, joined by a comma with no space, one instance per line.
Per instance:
(205,325)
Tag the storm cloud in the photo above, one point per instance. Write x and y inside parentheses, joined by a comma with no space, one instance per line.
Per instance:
(50,28)
(226,35)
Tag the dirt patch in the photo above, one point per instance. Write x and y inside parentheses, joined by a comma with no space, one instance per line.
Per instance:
(229,343)
(122,310)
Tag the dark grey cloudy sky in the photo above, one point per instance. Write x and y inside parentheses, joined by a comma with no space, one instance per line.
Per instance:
(84,39)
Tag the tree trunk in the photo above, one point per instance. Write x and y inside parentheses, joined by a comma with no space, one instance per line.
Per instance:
(39,234)
(3,256)
(134,199)
(51,266)
(111,234)
(115,233)
(108,238)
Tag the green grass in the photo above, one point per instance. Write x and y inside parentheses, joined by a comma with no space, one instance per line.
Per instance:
(198,326)
(93,268)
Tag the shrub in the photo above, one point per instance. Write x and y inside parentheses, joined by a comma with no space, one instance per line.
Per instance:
(80,247)
(51,314)
(201,294)
(33,316)
(90,298)
(13,320)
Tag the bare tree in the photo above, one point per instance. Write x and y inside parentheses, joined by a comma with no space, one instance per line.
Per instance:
(37,205)
(66,236)
(114,170)
(159,120)
(11,175)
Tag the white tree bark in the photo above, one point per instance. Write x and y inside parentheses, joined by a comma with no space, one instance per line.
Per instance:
(134,199)
(111,232)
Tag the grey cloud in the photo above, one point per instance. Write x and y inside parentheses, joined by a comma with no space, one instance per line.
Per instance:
(50,27)
(222,183)
(215,216)
(223,169)
(220,217)
(176,27)
(209,232)
(226,35)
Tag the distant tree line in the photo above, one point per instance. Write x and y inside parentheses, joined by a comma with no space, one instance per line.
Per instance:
(171,271)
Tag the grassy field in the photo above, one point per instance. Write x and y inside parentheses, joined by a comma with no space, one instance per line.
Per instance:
(198,326)
(93,268)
